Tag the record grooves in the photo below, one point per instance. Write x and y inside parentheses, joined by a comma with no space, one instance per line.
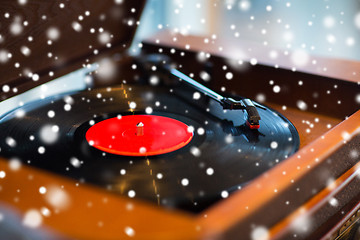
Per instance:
(223,154)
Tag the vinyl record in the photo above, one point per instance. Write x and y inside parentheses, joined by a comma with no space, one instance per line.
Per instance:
(221,155)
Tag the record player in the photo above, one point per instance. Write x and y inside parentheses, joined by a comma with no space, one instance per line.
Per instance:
(261,153)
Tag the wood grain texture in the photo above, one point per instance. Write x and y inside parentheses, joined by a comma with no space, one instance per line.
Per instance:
(325,206)
(90,212)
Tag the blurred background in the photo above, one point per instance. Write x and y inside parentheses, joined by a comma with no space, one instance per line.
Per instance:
(324,28)
(329,28)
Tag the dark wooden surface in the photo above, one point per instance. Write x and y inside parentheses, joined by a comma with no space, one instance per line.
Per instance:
(323,92)
(72,47)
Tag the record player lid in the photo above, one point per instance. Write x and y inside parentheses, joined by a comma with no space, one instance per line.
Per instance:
(37,37)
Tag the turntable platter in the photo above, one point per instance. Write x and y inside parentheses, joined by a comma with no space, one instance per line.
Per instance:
(219,153)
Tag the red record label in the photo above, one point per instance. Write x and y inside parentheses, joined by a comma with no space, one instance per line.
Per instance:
(139,135)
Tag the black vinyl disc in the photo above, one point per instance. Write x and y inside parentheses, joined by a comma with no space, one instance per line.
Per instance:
(223,155)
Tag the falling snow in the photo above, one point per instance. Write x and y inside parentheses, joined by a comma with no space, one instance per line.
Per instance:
(76,26)
(148,110)
(229,139)
(302,224)
(4,56)
(334,202)
(196,95)
(107,69)
(67,107)
(329,21)
(244,5)
(205,76)
(32,219)
(22,2)
(42,190)
(289,46)
(35,77)
(260,98)
(357,20)
(25,51)
(273,145)
(300,58)
(75,162)
(49,134)
(184,182)
(260,233)
(57,197)
(132,105)
(131,193)
(200,131)
(253,61)
(6,88)
(276,89)
(224,194)
(301,105)
(10,141)
(128,230)
(41,150)
(16,27)
(104,37)
(210,171)
(15,164)
(45,212)
(154,80)
(345,135)
(142,150)
(190,129)
(195,151)
(53,33)
(357,98)
(229,76)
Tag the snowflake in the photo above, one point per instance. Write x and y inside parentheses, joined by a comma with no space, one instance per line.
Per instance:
(32,218)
